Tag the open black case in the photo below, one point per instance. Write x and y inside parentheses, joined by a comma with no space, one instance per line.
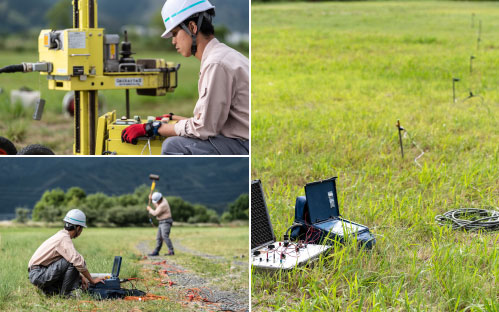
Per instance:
(262,233)
(319,212)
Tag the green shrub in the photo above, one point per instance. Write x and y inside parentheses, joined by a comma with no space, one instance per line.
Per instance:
(126,216)
(181,210)
(123,210)
(22,215)
(238,210)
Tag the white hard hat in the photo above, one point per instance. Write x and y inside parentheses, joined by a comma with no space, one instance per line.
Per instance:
(156,196)
(76,217)
(175,12)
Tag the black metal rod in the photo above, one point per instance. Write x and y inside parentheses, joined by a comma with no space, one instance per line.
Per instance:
(400,129)
(76,15)
(471,64)
(127,94)
(77,122)
(92,106)
(91,14)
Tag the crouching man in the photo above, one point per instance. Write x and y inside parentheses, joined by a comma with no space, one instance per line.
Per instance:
(56,267)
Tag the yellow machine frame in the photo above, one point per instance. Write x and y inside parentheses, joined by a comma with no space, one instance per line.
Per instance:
(78,65)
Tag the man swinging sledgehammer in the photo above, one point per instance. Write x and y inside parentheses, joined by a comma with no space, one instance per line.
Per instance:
(164,216)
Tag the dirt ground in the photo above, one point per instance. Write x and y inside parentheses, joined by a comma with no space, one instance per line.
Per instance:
(194,291)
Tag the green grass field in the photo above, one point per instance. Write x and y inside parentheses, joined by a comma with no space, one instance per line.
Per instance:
(56,131)
(100,245)
(329,82)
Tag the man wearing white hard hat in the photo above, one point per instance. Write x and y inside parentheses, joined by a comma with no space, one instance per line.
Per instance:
(220,122)
(56,267)
(164,216)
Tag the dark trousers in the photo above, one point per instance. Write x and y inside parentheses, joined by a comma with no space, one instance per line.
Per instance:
(218,145)
(163,236)
(59,278)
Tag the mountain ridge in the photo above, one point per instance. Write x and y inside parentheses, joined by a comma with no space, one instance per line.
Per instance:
(213,182)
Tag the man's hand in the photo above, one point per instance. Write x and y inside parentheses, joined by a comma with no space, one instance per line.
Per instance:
(131,133)
(84,283)
(149,208)
(98,280)
(167,116)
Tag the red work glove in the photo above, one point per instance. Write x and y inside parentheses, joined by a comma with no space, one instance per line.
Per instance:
(131,133)
(163,116)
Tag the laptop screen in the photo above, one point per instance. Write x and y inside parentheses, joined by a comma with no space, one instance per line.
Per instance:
(322,200)
(116,266)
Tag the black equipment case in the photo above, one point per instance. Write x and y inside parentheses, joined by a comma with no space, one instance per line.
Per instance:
(111,288)
(319,212)
(262,233)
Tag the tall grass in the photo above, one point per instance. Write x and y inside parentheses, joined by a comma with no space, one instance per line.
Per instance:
(329,82)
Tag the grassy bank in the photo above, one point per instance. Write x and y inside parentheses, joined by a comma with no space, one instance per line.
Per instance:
(99,246)
(329,82)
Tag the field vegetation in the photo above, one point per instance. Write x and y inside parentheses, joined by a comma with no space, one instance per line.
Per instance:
(100,245)
(329,82)
(126,209)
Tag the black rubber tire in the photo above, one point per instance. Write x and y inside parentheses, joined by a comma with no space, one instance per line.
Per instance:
(7,147)
(35,149)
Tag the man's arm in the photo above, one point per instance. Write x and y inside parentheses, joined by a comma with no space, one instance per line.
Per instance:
(168,130)
(213,105)
(156,211)
(89,278)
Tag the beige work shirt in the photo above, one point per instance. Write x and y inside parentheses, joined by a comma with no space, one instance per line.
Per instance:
(56,247)
(223,103)
(163,211)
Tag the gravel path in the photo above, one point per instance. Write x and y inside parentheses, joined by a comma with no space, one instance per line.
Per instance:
(213,258)
(197,287)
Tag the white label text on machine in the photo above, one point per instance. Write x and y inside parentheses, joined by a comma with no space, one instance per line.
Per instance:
(129,82)
(77,40)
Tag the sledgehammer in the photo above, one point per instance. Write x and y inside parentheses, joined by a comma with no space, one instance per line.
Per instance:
(154,178)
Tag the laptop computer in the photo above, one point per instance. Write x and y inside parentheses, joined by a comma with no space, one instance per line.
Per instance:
(320,210)
(112,280)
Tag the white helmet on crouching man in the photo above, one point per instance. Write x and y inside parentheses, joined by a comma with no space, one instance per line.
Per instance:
(76,217)
(176,12)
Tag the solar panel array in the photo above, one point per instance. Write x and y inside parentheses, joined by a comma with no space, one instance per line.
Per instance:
(261,227)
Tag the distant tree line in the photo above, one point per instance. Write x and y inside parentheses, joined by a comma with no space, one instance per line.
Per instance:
(125,210)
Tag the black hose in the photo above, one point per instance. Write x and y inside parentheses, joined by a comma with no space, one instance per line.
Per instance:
(471,219)
(12,69)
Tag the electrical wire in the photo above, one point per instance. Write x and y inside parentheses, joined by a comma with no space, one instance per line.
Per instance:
(12,69)
(407,134)
(471,219)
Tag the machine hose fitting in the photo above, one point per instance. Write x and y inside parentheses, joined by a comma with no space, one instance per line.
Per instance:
(27,68)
